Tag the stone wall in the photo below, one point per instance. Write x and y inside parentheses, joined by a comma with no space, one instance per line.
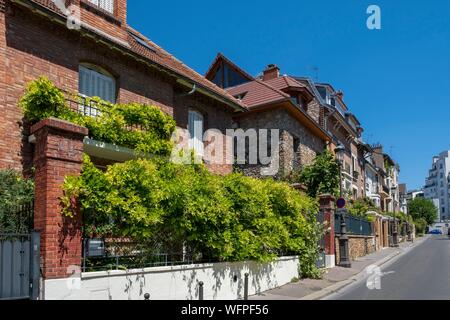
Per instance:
(292,133)
(359,246)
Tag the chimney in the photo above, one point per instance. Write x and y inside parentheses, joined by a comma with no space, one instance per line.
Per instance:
(340,94)
(121,11)
(271,72)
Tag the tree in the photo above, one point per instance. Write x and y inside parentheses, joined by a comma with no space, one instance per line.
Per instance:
(421,208)
(322,176)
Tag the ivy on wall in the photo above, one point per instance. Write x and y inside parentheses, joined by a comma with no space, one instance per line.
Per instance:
(232,218)
(143,128)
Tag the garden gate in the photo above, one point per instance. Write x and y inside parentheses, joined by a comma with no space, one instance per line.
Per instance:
(19,254)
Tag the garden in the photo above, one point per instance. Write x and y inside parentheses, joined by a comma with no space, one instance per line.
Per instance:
(166,208)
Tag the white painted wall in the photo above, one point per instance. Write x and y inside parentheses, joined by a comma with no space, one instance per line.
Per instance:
(175,283)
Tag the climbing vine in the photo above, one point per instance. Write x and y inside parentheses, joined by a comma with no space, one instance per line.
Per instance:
(141,127)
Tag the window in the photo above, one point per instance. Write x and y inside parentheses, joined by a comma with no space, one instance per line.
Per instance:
(95,83)
(295,100)
(107,5)
(195,127)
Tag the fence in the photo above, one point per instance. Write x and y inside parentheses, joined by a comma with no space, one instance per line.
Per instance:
(355,225)
(89,107)
(17,219)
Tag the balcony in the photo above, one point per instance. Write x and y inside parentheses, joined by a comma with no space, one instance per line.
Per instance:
(88,107)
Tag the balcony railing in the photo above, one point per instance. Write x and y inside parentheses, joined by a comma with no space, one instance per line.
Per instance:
(88,107)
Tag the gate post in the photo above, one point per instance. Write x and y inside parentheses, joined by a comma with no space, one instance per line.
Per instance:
(58,153)
(326,202)
(35,265)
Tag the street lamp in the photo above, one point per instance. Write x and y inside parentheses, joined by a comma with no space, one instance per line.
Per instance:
(343,238)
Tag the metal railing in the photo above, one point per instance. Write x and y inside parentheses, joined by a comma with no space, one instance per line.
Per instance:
(89,107)
(355,225)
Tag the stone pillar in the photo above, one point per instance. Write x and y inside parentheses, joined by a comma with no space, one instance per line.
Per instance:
(327,206)
(58,153)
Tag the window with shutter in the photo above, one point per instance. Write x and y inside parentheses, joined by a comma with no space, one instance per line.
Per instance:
(195,127)
(93,83)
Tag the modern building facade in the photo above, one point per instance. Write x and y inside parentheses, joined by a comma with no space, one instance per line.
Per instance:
(437,184)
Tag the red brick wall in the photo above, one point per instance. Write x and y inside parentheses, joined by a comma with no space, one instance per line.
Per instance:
(59,153)
(27,56)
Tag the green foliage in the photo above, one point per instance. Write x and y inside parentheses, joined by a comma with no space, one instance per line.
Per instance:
(361,206)
(421,226)
(137,126)
(43,100)
(322,176)
(400,216)
(15,191)
(232,218)
(421,208)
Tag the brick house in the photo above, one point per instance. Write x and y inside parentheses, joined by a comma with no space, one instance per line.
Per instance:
(279,102)
(104,58)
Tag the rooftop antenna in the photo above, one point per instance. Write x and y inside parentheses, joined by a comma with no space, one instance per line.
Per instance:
(315,70)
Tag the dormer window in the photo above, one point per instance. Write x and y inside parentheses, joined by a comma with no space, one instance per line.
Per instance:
(106,5)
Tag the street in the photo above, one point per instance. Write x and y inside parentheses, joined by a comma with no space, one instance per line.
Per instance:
(423,273)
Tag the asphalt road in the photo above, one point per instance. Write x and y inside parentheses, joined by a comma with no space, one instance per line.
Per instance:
(423,273)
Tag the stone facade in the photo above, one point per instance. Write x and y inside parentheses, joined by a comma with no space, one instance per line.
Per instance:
(293,135)
(359,246)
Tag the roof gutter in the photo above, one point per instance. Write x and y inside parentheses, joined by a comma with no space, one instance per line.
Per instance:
(120,45)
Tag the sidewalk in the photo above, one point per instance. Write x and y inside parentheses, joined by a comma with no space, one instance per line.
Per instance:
(335,278)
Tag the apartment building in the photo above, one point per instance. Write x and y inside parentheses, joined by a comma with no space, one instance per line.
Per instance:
(437,185)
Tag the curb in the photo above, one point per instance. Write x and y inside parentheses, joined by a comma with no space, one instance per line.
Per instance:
(360,275)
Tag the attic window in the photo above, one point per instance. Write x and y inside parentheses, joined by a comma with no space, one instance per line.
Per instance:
(107,5)
(241,96)
(142,42)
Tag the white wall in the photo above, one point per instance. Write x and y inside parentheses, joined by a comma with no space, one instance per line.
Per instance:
(175,283)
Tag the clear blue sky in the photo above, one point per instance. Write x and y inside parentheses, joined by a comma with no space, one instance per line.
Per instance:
(395,80)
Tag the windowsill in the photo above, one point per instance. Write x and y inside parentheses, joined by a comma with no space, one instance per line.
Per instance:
(99,11)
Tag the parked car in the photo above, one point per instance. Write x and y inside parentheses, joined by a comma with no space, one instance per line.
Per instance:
(436,231)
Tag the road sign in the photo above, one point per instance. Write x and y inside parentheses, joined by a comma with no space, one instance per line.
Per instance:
(341,203)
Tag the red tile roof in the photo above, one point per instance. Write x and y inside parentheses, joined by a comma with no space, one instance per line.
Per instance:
(285,82)
(159,56)
(258,93)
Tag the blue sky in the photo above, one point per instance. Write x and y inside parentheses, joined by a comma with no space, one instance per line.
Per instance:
(394,79)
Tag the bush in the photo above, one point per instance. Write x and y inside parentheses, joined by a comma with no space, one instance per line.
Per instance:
(421,226)
(43,100)
(322,177)
(15,191)
(361,206)
(137,126)
(232,218)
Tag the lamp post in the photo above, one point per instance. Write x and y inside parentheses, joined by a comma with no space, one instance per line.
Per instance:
(343,238)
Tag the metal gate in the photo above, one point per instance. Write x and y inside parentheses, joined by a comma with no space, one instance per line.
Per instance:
(19,266)
(321,260)
(19,253)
